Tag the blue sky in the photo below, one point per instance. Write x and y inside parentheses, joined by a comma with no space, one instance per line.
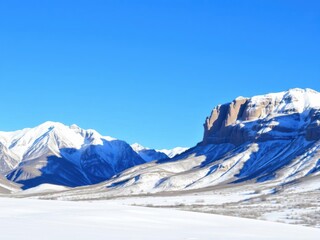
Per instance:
(149,71)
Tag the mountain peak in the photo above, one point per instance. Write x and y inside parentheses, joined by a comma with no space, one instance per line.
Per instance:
(174,151)
(137,147)
(51,124)
(59,154)
(153,154)
(74,126)
(302,90)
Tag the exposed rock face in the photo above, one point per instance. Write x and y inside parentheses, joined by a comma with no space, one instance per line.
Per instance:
(221,127)
(274,116)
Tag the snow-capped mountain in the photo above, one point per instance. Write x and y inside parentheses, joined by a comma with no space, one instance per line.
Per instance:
(271,139)
(59,154)
(173,152)
(276,116)
(148,154)
(152,154)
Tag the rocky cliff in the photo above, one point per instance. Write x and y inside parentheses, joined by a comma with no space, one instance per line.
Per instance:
(281,115)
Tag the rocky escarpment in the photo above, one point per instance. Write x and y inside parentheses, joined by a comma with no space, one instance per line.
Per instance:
(275,116)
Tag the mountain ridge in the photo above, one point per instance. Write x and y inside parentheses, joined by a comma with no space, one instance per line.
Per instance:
(66,155)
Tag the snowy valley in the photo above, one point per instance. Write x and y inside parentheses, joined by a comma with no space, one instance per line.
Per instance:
(259,159)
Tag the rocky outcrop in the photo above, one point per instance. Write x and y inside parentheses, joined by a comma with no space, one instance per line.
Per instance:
(219,127)
(282,115)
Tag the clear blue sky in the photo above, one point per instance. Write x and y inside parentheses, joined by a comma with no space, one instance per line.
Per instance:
(149,71)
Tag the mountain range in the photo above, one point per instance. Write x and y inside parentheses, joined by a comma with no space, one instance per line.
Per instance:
(272,138)
(152,154)
(66,155)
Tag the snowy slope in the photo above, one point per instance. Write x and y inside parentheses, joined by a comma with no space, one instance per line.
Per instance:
(35,219)
(8,187)
(58,154)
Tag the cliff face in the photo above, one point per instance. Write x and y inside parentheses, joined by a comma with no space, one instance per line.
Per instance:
(274,116)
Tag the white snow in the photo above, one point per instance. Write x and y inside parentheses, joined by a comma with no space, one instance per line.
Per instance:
(44,188)
(7,185)
(39,219)
(173,152)
(48,139)
(169,152)
(296,98)
(138,147)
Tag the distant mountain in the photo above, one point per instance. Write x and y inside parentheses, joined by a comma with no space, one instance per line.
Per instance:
(152,154)
(271,139)
(58,154)
(148,154)
(173,152)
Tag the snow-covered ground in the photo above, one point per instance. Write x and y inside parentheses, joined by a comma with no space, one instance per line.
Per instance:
(297,203)
(44,219)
